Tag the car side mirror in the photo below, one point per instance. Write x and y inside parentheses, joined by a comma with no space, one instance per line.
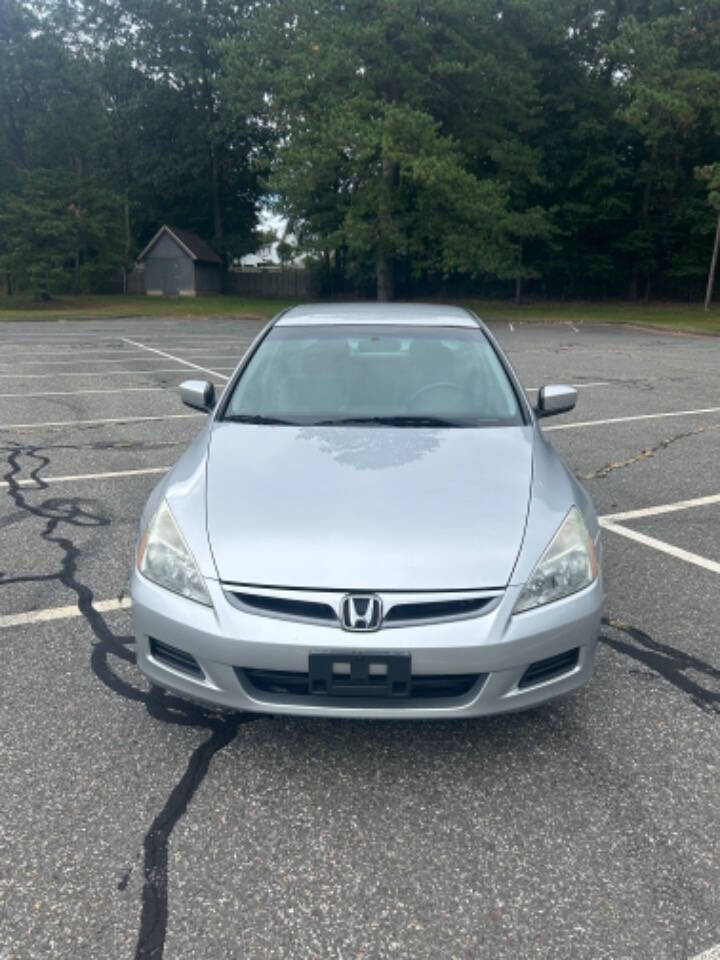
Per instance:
(555,398)
(198,394)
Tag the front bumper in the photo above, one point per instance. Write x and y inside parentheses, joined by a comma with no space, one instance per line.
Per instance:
(495,644)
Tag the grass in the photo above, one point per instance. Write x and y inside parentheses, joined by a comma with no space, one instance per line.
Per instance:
(669,316)
(93,307)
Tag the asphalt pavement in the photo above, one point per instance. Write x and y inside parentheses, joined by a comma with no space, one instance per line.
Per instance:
(135,825)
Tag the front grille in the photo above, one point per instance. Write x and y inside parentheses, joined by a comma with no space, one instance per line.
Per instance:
(177,659)
(324,607)
(435,610)
(280,683)
(294,609)
(551,667)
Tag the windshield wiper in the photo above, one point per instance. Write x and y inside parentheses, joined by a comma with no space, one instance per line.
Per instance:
(392,421)
(257,418)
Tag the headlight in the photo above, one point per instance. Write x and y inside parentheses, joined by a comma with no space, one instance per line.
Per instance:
(165,558)
(568,565)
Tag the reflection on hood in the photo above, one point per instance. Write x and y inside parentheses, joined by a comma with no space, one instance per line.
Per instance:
(374,448)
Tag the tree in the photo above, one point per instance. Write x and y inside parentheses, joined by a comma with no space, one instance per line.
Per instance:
(59,212)
(285,252)
(462,146)
(667,68)
(711,175)
(174,44)
(377,172)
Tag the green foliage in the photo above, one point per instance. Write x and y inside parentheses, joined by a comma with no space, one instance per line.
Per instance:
(710,175)
(111,124)
(39,226)
(451,147)
(369,163)
(59,212)
(285,252)
(55,241)
(668,65)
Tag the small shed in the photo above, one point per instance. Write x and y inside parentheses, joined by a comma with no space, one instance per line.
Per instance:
(178,262)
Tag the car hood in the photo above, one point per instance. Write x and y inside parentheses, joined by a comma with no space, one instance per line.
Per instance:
(367,508)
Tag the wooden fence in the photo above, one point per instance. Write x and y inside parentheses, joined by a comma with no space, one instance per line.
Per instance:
(290,284)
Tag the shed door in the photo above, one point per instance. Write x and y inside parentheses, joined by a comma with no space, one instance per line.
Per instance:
(163,273)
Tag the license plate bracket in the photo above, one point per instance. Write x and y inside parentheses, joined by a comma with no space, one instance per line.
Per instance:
(359,674)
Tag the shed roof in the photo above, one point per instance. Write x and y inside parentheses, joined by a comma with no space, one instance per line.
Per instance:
(191,243)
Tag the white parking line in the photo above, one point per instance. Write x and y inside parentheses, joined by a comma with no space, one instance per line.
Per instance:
(78,393)
(661,545)
(178,344)
(86,423)
(119,347)
(91,337)
(135,358)
(661,508)
(581,386)
(71,478)
(712,954)
(72,352)
(118,351)
(179,338)
(171,356)
(95,336)
(641,416)
(59,613)
(104,373)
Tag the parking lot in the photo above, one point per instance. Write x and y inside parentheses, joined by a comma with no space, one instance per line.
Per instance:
(135,825)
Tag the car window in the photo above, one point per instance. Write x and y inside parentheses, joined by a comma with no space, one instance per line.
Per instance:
(409,375)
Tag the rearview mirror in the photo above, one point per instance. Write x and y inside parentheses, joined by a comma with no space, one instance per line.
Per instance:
(555,398)
(198,394)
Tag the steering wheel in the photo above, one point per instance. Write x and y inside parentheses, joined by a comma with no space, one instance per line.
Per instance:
(438,385)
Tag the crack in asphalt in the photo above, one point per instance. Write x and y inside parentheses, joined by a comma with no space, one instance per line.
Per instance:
(663,660)
(154,914)
(668,662)
(139,445)
(76,512)
(646,453)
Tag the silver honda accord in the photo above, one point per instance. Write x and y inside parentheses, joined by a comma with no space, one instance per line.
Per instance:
(370,524)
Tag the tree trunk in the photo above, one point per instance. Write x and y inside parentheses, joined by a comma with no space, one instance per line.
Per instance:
(7,284)
(126,221)
(713,265)
(518,278)
(645,223)
(217,208)
(78,211)
(383,261)
(633,288)
(385,285)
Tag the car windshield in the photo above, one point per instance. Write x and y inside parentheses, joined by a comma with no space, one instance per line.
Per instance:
(379,375)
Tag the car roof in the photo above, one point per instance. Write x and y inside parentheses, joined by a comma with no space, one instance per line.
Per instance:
(416,314)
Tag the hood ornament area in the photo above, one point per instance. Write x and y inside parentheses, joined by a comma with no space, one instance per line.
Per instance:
(361,612)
